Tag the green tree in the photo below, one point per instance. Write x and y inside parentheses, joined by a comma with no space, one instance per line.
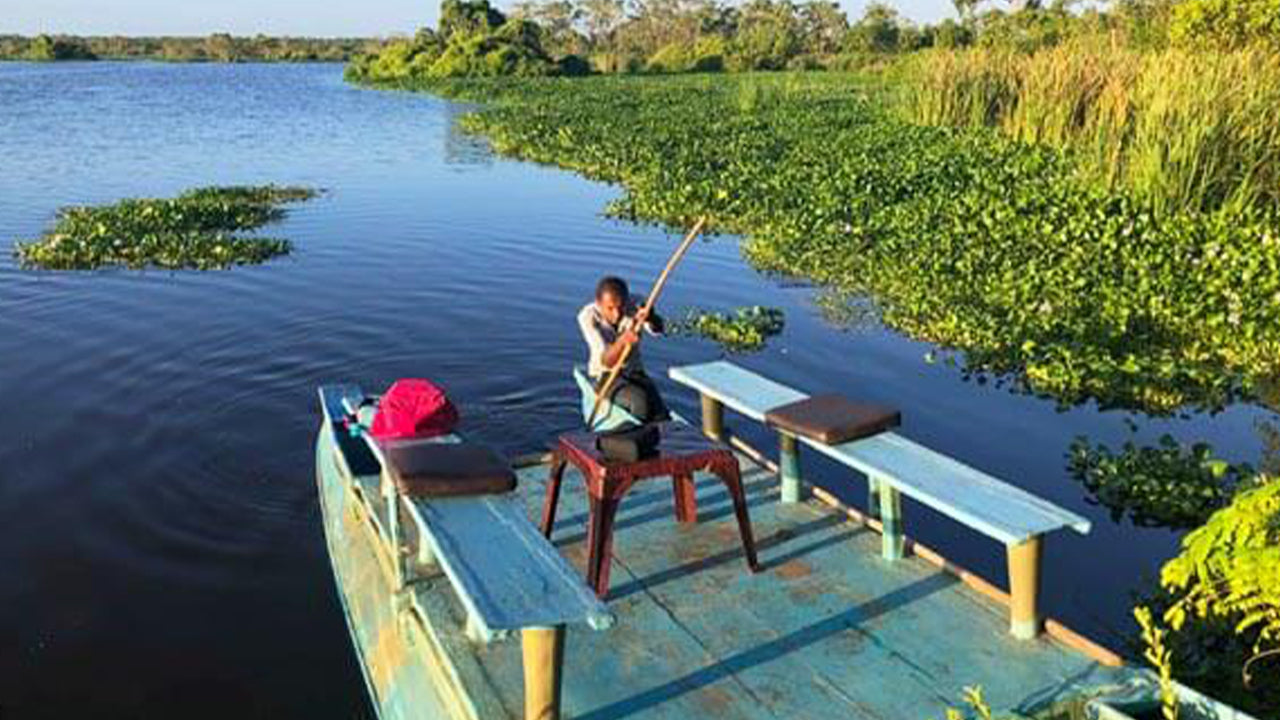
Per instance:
(768,35)
(600,18)
(1225,23)
(966,8)
(468,18)
(221,47)
(45,48)
(878,31)
(558,19)
(823,26)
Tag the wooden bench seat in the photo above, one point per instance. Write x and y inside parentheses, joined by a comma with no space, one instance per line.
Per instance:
(894,466)
(506,575)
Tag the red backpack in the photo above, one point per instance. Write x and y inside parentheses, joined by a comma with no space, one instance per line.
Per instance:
(413,408)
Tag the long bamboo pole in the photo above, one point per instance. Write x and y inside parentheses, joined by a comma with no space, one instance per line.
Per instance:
(643,316)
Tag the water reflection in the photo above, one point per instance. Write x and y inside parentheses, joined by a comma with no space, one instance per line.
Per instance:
(848,312)
(1269,433)
(461,150)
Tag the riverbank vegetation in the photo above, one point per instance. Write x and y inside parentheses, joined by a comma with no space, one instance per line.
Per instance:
(192,231)
(218,47)
(671,36)
(995,249)
(1189,129)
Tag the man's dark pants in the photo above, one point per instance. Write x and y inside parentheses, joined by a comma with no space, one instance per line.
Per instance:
(636,393)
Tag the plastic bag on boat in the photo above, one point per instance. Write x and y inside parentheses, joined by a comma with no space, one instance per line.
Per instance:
(414,408)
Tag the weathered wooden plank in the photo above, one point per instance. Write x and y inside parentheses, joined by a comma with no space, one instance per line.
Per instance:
(991,506)
(505,573)
(827,631)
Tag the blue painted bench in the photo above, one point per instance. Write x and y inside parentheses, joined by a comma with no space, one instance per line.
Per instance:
(896,466)
(507,576)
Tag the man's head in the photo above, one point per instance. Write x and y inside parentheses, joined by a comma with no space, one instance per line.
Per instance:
(611,298)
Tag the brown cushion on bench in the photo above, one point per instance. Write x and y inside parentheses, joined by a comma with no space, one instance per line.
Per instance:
(441,469)
(832,419)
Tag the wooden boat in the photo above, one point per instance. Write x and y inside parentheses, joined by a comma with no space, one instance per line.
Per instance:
(848,619)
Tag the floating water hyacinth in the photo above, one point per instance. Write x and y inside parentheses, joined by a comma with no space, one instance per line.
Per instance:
(746,329)
(191,231)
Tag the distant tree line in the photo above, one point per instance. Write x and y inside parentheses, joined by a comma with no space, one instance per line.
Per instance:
(543,37)
(218,47)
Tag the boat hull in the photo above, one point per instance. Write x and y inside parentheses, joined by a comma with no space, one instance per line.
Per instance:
(393,649)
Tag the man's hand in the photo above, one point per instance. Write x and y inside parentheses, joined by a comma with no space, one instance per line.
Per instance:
(629,337)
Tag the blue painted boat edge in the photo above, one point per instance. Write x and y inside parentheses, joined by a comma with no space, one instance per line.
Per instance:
(338,584)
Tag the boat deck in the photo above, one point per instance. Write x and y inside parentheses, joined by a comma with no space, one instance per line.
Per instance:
(827,629)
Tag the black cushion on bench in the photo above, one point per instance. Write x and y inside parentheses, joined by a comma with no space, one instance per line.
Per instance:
(423,468)
(832,419)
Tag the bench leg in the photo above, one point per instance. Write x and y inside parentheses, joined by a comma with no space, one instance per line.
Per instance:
(789,468)
(543,649)
(1024,587)
(600,543)
(873,497)
(686,499)
(712,418)
(553,495)
(893,540)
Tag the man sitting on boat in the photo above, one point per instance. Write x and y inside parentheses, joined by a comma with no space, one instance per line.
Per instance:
(608,326)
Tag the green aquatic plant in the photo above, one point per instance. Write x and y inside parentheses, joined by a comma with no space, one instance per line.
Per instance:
(995,251)
(745,329)
(1158,654)
(980,709)
(1169,485)
(1220,597)
(1188,130)
(193,230)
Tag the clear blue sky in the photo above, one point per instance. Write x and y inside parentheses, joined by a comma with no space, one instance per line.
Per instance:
(277,17)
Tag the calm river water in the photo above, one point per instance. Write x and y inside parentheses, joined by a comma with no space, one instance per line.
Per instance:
(161,552)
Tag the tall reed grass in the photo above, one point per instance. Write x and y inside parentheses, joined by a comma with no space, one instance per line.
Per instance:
(1194,131)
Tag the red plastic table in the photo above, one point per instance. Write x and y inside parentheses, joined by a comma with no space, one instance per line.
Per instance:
(682,452)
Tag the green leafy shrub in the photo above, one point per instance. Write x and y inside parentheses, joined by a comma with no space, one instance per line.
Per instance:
(746,329)
(474,39)
(190,231)
(1223,602)
(1169,485)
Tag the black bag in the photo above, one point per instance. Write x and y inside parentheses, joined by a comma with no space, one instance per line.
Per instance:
(629,443)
